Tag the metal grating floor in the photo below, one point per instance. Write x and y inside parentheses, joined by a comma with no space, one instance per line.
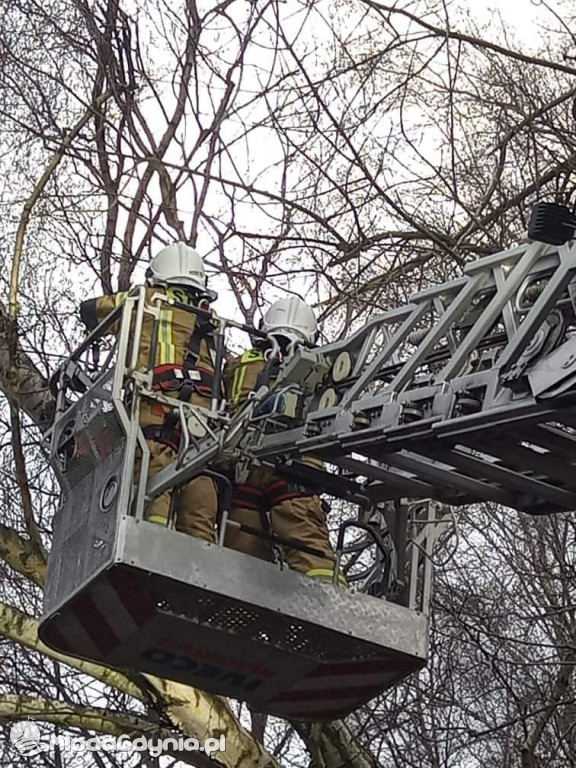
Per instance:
(244,621)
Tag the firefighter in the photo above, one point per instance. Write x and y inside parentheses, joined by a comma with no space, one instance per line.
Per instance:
(293,511)
(183,369)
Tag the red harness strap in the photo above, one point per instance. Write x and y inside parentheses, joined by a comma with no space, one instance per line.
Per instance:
(248,497)
(174,378)
(280,490)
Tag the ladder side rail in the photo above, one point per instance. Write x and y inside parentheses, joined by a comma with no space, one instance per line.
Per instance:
(486,320)
(372,369)
(445,475)
(449,289)
(355,340)
(503,411)
(541,308)
(292,442)
(368,346)
(401,482)
(335,432)
(509,315)
(457,308)
(502,258)
(508,478)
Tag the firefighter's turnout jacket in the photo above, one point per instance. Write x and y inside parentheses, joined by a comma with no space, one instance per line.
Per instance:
(183,368)
(294,512)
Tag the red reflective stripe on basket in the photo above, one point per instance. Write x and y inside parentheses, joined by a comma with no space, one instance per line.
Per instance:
(100,632)
(135,600)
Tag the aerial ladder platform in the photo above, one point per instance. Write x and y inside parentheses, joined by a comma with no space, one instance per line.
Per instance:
(466,394)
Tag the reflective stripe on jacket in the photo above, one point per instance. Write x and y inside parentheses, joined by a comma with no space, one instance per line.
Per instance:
(240,376)
(175,329)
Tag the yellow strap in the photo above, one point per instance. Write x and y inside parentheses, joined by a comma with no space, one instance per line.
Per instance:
(326,573)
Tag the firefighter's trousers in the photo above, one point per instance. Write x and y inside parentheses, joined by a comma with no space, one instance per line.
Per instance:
(293,514)
(195,504)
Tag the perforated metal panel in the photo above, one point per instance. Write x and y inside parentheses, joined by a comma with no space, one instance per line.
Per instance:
(84,530)
(255,624)
(88,458)
(86,435)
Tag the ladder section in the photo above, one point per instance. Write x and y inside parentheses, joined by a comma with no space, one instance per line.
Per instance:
(465,394)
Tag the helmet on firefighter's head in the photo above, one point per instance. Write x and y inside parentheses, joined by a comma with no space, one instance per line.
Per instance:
(178,264)
(291,318)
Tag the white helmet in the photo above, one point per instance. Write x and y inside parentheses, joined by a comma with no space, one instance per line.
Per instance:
(178,264)
(291,318)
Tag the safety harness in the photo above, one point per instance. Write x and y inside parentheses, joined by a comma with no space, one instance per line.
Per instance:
(190,377)
(184,379)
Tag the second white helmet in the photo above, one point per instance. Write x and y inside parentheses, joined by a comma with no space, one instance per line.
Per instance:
(291,318)
(178,264)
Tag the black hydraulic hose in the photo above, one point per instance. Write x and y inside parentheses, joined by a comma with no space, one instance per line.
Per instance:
(363,526)
(377,540)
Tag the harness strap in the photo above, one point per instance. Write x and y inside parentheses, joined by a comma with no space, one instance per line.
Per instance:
(171,377)
(175,378)
(283,490)
(268,373)
(184,379)
(203,331)
(166,434)
(247,496)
